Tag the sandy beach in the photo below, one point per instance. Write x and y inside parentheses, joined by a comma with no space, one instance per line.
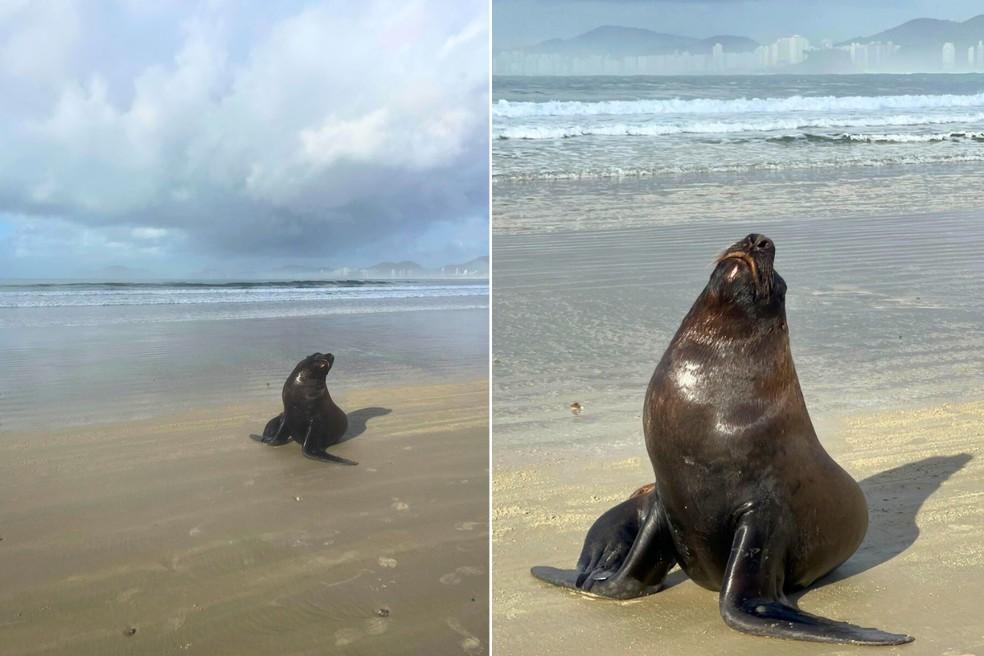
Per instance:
(179,534)
(919,570)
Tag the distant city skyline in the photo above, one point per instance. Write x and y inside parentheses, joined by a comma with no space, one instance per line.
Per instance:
(524,23)
(925,45)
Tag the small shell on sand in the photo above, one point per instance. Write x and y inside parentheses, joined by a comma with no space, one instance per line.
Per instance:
(576,408)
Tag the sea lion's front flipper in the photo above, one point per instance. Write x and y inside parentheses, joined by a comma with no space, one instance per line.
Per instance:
(324,456)
(275,433)
(752,600)
(311,451)
(626,554)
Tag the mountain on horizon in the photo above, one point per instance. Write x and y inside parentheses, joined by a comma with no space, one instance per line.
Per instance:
(476,267)
(917,37)
(618,41)
(929,34)
(388,269)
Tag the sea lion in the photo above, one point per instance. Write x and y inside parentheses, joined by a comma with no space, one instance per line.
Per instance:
(310,417)
(746,501)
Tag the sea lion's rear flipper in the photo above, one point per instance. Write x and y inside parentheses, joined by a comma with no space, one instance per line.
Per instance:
(752,600)
(315,453)
(626,554)
(275,433)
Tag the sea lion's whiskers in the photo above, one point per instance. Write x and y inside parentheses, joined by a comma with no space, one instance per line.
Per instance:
(739,255)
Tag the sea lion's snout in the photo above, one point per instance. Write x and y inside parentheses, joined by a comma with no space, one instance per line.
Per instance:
(748,263)
(318,364)
(759,243)
(754,249)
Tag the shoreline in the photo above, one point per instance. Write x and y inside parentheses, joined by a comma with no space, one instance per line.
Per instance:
(198,540)
(168,359)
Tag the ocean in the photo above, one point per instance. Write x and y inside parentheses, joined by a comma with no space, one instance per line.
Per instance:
(624,126)
(613,195)
(79,353)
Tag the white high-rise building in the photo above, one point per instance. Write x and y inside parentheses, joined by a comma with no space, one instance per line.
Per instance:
(791,49)
(717,57)
(859,55)
(949,55)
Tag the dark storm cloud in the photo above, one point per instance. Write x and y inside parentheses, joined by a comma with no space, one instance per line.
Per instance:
(314,132)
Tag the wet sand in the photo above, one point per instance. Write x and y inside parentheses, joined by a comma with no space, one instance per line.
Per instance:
(919,571)
(179,534)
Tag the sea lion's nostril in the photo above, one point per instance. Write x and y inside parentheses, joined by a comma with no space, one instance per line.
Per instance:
(763,244)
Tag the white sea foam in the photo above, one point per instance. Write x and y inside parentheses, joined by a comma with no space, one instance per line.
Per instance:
(725,126)
(73,297)
(912,138)
(520,109)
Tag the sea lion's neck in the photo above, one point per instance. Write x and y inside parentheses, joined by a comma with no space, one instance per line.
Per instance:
(739,366)
(748,353)
(723,327)
(310,386)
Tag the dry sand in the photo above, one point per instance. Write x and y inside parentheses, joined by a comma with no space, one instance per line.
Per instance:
(920,570)
(180,535)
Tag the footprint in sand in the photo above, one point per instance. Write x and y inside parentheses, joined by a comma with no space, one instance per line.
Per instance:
(455,577)
(387,562)
(126,595)
(469,643)
(371,627)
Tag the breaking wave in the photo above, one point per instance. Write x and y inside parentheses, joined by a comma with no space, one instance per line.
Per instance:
(766,124)
(521,109)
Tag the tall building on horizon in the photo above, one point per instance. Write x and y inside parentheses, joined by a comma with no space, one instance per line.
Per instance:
(949,56)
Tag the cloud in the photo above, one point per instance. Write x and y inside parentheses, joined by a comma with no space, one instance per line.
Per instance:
(321,132)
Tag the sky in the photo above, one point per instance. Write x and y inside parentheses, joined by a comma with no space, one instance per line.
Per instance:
(520,23)
(175,138)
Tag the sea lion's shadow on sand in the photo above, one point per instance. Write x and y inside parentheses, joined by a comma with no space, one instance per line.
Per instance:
(894,499)
(357,421)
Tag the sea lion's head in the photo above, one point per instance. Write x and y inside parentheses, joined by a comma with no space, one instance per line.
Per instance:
(315,366)
(745,279)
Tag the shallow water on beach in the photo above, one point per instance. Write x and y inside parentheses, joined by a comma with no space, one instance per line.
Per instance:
(94,353)
(884,312)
